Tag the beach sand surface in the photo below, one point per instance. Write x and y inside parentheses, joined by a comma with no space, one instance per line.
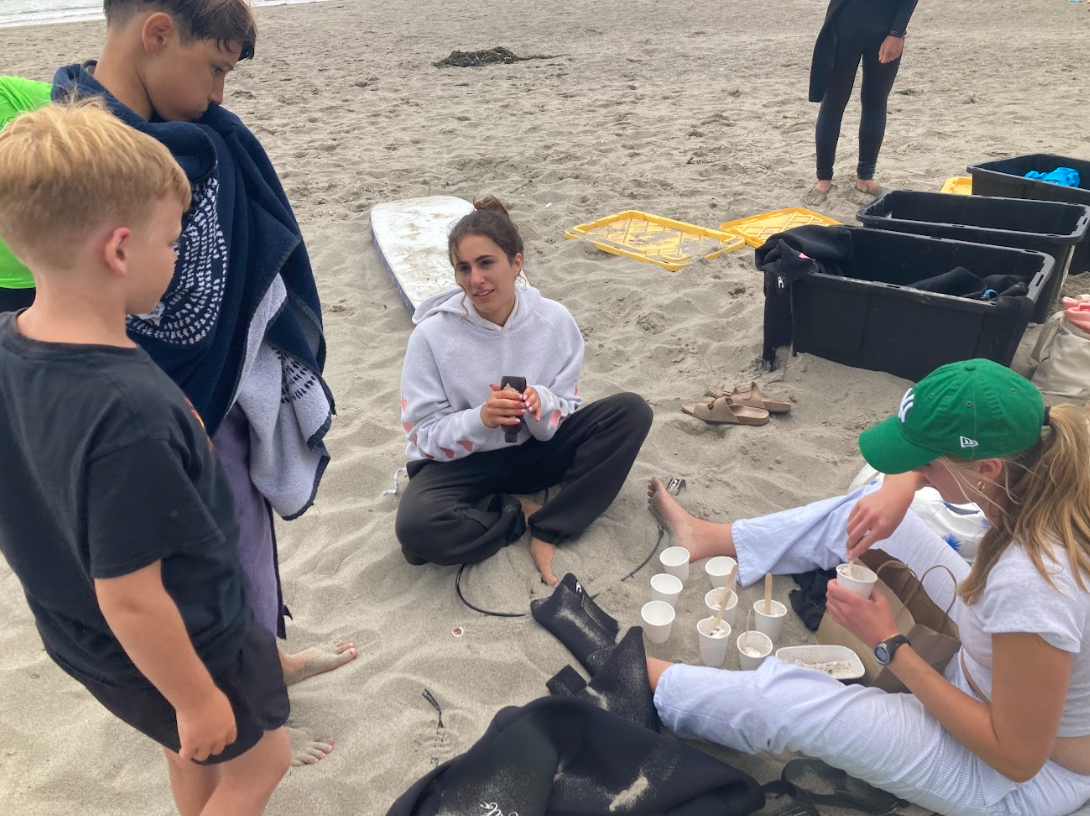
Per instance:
(691,110)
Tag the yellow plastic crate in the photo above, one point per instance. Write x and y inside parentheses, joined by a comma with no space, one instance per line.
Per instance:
(671,244)
(959,185)
(757,229)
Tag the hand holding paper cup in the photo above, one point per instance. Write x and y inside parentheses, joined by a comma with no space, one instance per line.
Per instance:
(856,578)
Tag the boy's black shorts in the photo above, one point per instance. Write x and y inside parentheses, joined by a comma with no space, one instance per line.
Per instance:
(254,683)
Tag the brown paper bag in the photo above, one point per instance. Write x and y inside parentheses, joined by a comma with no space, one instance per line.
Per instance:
(934,636)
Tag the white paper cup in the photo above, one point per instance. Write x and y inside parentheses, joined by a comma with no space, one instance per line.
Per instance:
(718,569)
(770,623)
(713,650)
(757,642)
(711,601)
(658,620)
(859,579)
(665,587)
(675,561)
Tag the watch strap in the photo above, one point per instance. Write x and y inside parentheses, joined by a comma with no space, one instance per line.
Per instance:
(892,645)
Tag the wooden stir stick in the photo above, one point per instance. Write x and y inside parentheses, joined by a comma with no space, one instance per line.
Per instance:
(724,596)
(768,594)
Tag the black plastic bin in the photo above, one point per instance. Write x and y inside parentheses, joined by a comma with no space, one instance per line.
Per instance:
(1007,178)
(870,317)
(1046,226)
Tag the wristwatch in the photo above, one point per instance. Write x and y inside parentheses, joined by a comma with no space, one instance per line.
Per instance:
(900,34)
(883,652)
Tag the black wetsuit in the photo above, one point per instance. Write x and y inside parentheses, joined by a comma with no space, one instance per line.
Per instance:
(853,32)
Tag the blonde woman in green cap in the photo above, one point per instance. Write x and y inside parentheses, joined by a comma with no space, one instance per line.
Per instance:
(17,95)
(1006,728)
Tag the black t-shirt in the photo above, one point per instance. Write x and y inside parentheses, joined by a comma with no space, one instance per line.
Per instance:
(106,468)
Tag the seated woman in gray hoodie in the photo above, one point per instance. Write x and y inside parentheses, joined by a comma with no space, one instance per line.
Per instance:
(459,506)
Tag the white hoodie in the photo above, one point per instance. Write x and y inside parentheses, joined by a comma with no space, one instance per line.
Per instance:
(454,354)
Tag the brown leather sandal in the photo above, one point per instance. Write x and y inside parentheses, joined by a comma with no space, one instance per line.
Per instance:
(722,411)
(751,396)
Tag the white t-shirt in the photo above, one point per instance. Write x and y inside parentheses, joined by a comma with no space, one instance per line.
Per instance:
(962,526)
(1017,598)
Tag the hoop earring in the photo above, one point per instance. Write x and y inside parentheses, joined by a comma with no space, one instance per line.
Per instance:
(980,485)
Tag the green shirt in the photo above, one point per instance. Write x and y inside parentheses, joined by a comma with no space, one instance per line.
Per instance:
(18,95)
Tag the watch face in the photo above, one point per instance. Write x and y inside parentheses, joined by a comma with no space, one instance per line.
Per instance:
(881,654)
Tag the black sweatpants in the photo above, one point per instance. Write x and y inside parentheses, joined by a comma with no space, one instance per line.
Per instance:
(857,40)
(441,519)
(12,300)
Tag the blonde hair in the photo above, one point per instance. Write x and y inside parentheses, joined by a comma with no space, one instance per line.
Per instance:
(67,170)
(1043,499)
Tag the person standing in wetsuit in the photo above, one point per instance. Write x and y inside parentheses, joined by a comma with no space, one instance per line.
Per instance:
(867,31)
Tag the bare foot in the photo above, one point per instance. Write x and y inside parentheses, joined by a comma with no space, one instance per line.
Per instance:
(528,507)
(305,750)
(702,539)
(673,516)
(314,661)
(542,552)
(868,186)
(818,194)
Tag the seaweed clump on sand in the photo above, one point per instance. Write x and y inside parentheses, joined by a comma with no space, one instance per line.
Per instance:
(489,56)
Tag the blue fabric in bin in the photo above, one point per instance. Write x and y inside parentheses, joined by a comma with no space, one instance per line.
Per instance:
(1067,176)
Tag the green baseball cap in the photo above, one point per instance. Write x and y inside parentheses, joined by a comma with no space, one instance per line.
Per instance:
(975,409)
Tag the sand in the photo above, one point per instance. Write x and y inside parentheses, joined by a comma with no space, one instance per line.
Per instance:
(695,111)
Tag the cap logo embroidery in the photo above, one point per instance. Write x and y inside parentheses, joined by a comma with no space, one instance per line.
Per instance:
(966,442)
(907,401)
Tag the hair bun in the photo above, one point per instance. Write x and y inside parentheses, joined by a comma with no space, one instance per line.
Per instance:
(491,204)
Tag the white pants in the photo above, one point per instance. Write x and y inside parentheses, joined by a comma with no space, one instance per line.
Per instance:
(887,740)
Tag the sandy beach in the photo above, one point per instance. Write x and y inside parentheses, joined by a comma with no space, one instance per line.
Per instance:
(693,111)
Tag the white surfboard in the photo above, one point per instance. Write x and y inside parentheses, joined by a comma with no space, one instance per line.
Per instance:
(411,238)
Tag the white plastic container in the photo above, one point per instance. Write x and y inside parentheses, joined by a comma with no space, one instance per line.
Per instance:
(825,658)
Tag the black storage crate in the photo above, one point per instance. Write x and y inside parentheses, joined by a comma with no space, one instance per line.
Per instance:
(1047,226)
(871,318)
(1007,178)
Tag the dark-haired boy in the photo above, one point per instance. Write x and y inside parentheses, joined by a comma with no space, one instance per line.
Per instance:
(239,329)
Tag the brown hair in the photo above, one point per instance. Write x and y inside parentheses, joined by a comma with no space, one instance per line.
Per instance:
(491,220)
(67,170)
(228,23)
(1043,500)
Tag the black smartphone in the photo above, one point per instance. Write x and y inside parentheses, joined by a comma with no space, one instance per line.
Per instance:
(518,385)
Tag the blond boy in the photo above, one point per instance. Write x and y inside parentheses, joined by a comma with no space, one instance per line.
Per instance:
(114,512)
